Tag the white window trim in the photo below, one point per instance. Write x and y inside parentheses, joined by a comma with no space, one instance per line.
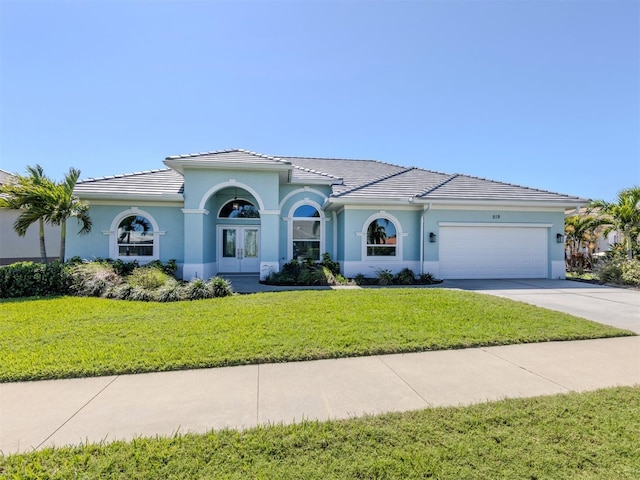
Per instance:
(113,236)
(290,219)
(399,236)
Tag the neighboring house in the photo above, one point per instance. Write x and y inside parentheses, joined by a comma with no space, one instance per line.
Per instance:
(239,211)
(14,248)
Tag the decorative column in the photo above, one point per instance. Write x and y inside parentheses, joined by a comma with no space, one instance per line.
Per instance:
(269,242)
(194,266)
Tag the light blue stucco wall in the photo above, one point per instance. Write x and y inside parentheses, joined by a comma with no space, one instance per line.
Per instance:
(96,243)
(407,224)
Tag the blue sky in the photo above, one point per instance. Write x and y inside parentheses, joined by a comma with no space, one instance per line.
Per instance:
(538,93)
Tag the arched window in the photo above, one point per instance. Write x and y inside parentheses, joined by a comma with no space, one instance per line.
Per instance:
(382,238)
(135,237)
(239,208)
(306,233)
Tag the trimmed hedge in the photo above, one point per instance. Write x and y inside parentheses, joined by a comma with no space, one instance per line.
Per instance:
(29,279)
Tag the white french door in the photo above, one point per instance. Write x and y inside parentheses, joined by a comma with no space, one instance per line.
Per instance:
(238,249)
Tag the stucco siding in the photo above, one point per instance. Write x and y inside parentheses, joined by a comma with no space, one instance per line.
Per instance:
(95,244)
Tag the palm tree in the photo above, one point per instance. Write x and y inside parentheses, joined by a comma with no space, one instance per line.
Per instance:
(29,195)
(67,205)
(580,231)
(623,216)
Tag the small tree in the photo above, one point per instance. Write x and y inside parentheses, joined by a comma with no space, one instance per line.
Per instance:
(67,205)
(29,194)
(44,201)
(622,216)
(580,231)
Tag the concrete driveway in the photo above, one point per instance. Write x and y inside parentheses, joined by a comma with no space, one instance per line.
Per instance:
(619,307)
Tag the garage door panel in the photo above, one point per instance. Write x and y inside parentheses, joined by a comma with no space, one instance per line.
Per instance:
(493,252)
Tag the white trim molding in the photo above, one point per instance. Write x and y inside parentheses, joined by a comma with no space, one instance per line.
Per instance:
(495,224)
(113,234)
(231,183)
(290,219)
(192,211)
(399,236)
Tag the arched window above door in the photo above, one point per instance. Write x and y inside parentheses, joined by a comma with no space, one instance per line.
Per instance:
(239,208)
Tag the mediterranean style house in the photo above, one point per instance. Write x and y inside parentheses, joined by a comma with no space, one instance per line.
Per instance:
(236,211)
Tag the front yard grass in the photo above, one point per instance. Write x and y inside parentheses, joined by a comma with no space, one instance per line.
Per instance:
(589,436)
(75,337)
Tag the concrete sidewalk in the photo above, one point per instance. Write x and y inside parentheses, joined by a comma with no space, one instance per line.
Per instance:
(60,412)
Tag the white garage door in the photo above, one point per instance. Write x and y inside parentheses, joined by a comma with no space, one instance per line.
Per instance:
(493,252)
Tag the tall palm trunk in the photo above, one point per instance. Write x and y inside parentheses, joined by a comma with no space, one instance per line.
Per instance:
(63,239)
(43,247)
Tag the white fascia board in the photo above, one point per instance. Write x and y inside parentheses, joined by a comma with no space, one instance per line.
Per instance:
(368,202)
(494,224)
(180,165)
(161,198)
(319,181)
(502,204)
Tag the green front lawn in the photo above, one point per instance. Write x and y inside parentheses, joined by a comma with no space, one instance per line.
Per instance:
(589,436)
(73,337)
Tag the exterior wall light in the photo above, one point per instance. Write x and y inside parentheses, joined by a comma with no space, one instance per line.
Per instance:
(559,238)
(432,237)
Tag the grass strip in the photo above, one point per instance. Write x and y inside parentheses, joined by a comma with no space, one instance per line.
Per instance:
(76,337)
(591,435)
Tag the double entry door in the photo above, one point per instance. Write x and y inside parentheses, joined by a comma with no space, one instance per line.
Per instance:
(238,249)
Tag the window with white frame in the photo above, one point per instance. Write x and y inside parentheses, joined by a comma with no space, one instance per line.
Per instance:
(382,238)
(306,233)
(239,208)
(135,237)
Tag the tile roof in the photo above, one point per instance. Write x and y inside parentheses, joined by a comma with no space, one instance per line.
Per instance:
(5,177)
(349,179)
(464,187)
(351,172)
(153,183)
(236,156)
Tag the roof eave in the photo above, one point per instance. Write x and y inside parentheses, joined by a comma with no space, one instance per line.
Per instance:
(504,202)
(162,197)
(179,165)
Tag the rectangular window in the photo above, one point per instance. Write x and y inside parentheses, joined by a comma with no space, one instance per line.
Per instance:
(229,243)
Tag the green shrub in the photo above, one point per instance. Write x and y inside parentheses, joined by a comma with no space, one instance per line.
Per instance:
(619,270)
(631,272)
(384,276)
(220,287)
(149,277)
(197,289)
(121,267)
(426,279)
(169,268)
(28,279)
(93,279)
(322,276)
(334,267)
(119,292)
(610,270)
(171,291)
(405,277)
(360,279)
